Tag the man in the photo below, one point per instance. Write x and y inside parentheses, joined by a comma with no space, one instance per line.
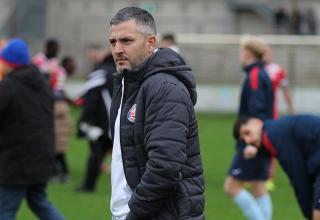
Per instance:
(279,79)
(49,66)
(63,120)
(156,169)
(48,62)
(26,135)
(256,100)
(94,119)
(295,141)
(168,41)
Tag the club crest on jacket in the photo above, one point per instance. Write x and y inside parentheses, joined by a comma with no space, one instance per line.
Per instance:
(132,114)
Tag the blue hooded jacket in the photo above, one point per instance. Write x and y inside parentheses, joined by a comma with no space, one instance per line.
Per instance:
(295,141)
(257,93)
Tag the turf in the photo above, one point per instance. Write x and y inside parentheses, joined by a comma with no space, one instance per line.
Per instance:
(217,149)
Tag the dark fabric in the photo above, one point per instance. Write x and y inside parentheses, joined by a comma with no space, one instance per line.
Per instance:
(95,111)
(26,128)
(316,192)
(61,165)
(36,197)
(256,102)
(159,139)
(243,169)
(109,66)
(98,150)
(296,140)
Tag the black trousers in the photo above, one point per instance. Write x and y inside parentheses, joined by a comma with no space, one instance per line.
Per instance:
(61,165)
(98,150)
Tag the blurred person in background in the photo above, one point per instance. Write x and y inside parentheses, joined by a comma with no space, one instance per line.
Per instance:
(281,20)
(49,65)
(311,21)
(48,61)
(279,79)
(26,135)
(156,168)
(295,21)
(256,100)
(295,141)
(2,44)
(168,41)
(93,123)
(69,65)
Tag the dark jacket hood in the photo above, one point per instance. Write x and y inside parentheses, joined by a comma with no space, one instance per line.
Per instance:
(28,75)
(165,60)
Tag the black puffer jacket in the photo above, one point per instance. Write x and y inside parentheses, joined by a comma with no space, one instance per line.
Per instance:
(159,139)
(26,128)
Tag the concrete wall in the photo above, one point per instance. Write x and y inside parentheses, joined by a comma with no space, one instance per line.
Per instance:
(79,23)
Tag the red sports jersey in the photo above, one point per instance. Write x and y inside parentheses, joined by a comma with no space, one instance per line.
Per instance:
(278,77)
(56,73)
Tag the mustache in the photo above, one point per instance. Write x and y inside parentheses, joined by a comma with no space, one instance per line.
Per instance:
(121,58)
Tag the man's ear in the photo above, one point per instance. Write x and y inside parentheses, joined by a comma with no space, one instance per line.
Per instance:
(151,43)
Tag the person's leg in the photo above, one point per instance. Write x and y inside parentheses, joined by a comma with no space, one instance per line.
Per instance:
(244,200)
(270,184)
(39,204)
(57,168)
(97,154)
(64,175)
(263,198)
(259,189)
(10,200)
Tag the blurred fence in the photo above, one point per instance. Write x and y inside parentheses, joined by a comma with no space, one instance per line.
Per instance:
(214,58)
(215,63)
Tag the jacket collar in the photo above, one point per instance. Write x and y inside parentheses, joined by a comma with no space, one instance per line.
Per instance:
(249,67)
(266,142)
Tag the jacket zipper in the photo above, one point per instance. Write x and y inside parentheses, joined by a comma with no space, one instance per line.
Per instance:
(122,105)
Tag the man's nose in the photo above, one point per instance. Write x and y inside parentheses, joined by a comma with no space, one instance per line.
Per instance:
(118,48)
(247,139)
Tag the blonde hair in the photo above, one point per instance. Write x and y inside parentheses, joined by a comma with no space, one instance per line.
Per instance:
(254,44)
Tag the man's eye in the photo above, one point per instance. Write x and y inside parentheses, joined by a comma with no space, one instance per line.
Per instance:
(112,42)
(127,41)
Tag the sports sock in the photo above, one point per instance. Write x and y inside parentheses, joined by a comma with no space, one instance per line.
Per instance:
(265,204)
(248,205)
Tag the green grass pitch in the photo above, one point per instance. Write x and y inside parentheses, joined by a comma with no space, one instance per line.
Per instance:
(217,147)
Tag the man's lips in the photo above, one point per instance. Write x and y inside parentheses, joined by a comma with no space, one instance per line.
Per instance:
(121,60)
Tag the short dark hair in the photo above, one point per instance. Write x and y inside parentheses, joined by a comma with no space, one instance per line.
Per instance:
(141,16)
(65,60)
(241,120)
(52,48)
(169,36)
(94,47)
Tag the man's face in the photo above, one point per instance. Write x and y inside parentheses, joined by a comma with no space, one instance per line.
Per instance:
(251,132)
(244,56)
(129,47)
(94,55)
(70,67)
